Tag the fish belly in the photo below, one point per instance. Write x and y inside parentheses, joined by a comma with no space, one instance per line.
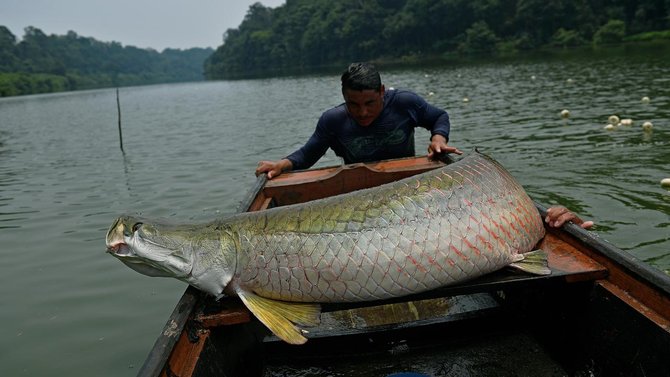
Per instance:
(424,232)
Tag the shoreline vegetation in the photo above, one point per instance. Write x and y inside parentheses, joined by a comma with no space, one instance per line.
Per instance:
(314,36)
(303,36)
(42,63)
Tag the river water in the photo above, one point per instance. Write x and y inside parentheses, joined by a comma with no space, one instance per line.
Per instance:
(190,151)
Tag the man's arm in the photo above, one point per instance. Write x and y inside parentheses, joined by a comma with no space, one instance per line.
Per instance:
(311,152)
(437,122)
(303,158)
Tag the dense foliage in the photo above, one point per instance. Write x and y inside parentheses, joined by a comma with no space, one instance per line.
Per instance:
(303,34)
(48,63)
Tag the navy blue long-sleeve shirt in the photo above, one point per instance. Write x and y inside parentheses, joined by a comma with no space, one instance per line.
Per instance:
(391,135)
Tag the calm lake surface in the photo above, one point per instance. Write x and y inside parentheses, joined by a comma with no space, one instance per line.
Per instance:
(70,309)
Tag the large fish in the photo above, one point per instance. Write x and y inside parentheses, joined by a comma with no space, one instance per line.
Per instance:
(445,226)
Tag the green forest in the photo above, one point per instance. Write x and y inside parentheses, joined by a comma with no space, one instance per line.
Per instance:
(42,63)
(305,34)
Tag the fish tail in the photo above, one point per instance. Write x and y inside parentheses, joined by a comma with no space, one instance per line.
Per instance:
(534,262)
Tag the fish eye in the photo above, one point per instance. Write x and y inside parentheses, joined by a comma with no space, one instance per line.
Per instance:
(136,227)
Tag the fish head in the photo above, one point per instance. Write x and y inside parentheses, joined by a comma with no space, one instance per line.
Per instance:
(150,248)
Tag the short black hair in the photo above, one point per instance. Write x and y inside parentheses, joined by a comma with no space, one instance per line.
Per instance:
(361,76)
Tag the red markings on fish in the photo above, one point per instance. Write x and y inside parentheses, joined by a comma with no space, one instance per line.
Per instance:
(458,252)
(417,264)
(494,234)
(515,223)
(511,225)
(486,243)
(433,262)
(473,247)
(521,223)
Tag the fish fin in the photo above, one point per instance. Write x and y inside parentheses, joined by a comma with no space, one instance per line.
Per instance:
(517,258)
(534,262)
(281,317)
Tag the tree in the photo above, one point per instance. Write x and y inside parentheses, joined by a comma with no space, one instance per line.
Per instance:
(9,62)
(566,38)
(612,32)
(479,38)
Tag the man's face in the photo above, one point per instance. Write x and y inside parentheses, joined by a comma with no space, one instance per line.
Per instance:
(364,105)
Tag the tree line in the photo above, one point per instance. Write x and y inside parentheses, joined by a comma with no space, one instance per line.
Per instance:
(42,63)
(303,34)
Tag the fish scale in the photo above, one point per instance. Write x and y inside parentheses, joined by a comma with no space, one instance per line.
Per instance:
(441,227)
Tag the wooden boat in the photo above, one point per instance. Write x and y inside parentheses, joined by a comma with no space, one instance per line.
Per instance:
(601,312)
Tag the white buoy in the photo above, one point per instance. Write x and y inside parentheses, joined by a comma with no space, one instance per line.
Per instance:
(565,113)
(431,93)
(665,182)
(609,127)
(466,99)
(569,81)
(626,122)
(647,126)
(645,99)
(532,77)
(613,119)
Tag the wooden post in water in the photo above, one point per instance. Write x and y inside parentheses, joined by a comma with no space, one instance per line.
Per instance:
(118,107)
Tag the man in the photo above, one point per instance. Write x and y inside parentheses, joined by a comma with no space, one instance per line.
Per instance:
(372,124)
(376,124)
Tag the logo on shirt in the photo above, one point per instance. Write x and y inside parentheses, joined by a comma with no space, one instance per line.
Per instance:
(363,146)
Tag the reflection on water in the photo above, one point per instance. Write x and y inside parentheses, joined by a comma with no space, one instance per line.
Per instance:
(190,152)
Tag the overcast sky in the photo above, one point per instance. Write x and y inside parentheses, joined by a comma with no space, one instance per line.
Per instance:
(142,23)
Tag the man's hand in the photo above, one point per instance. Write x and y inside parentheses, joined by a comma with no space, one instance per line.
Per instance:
(559,215)
(438,145)
(273,168)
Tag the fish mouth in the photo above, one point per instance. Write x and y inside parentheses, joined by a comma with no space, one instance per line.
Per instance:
(119,249)
(116,241)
